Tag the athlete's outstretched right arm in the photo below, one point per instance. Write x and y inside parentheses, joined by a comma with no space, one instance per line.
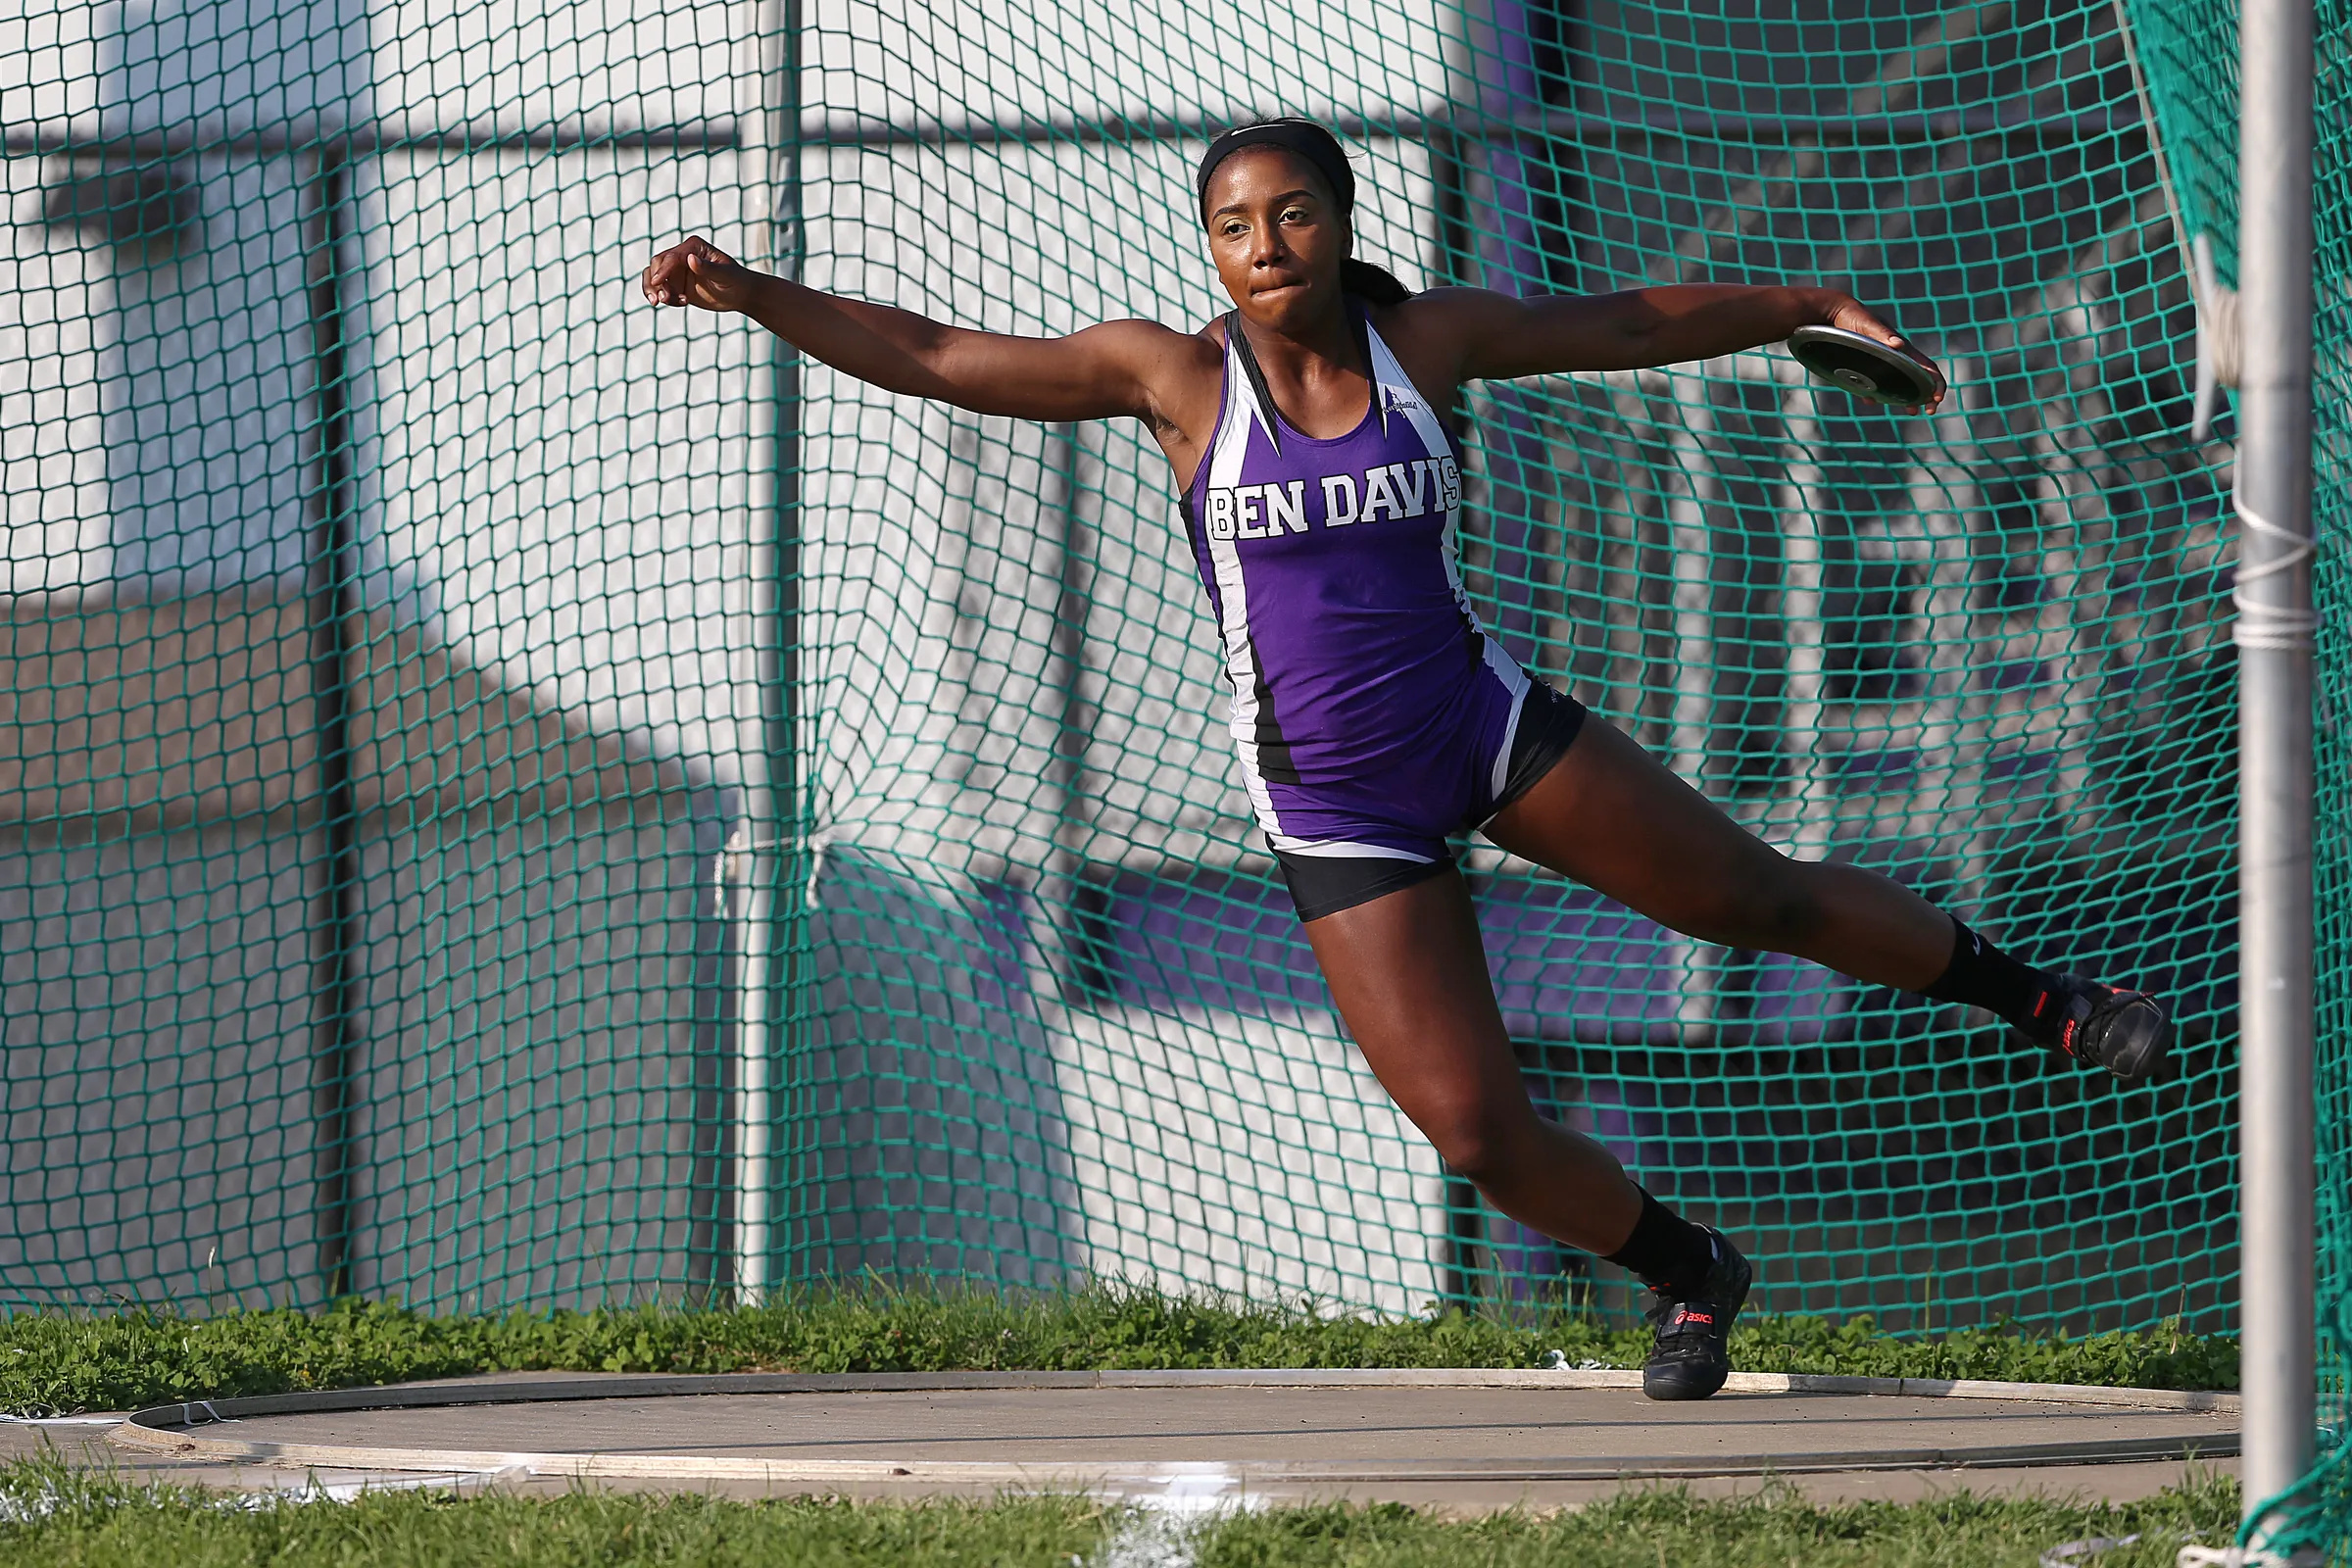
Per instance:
(1099,373)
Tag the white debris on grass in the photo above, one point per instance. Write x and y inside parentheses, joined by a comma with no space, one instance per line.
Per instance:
(1163,1522)
(2247,1558)
(312,1490)
(2070,1553)
(2075,1555)
(30,1506)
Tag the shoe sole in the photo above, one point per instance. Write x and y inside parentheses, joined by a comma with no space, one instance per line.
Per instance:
(1667,1392)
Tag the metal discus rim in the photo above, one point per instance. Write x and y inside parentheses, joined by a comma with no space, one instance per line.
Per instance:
(1865,368)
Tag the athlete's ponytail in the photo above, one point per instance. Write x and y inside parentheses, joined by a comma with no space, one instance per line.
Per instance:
(1376,285)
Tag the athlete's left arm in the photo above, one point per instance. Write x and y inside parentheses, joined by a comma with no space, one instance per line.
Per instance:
(1497,335)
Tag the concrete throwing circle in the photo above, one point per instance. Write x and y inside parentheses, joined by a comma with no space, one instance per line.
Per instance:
(1093,1430)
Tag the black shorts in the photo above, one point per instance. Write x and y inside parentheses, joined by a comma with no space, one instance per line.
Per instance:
(1320,885)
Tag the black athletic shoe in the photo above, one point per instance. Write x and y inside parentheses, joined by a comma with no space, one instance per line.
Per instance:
(1691,1355)
(2123,1031)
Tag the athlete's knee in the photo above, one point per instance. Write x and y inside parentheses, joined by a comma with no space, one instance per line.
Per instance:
(1481,1141)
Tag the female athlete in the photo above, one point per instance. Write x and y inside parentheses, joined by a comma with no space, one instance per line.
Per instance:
(1308,432)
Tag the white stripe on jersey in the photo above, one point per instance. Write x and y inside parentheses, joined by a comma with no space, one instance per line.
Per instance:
(1224,465)
(1343,849)
(1510,730)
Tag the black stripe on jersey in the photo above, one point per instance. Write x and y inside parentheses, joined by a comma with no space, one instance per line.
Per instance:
(1257,377)
(1382,396)
(1274,763)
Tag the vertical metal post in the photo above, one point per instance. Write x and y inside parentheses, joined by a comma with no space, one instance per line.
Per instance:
(1070,904)
(751,901)
(1691,717)
(330,605)
(708,1239)
(1063,454)
(1493,69)
(763,852)
(1486,237)
(2273,635)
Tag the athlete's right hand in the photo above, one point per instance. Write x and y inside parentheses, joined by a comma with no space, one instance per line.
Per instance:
(694,271)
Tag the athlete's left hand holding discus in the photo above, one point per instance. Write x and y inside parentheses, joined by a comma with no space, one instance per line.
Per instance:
(1307,431)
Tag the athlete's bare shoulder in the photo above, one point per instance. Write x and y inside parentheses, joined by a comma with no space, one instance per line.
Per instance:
(1145,344)
(1431,334)
(1179,372)
(1439,318)
(1182,374)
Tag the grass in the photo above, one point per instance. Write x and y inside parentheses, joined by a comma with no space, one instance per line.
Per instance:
(50,1515)
(89,1521)
(1644,1529)
(60,1363)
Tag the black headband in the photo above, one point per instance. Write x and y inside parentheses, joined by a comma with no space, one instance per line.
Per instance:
(1304,137)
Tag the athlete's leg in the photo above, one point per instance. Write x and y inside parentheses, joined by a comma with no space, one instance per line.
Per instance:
(1409,975)
(1614,818)
(1611,816)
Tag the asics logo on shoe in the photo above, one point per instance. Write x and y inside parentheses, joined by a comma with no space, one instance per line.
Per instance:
(1691,1358)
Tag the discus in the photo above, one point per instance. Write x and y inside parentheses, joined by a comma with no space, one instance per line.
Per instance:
(1865,366)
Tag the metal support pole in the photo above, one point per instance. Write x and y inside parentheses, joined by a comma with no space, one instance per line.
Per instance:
(330,605)
(2275,626)
(763,852)
(1690,538)
(1490,75)
(1069,837)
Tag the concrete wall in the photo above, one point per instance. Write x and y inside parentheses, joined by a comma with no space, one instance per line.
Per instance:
(539,954)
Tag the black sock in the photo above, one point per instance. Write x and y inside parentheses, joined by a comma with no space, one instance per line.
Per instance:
(1666,1250)
(1982,975)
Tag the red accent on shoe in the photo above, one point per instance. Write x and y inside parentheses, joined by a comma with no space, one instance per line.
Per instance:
(2041,999)
(2066,1039)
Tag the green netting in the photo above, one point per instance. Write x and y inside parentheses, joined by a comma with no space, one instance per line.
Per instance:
(1061,1019)
(2190,52)
(2332,588)
(514,797)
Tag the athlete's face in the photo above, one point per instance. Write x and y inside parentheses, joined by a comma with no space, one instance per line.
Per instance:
(1278,236)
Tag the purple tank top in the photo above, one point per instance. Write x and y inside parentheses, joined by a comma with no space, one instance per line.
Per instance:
(1331,568)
